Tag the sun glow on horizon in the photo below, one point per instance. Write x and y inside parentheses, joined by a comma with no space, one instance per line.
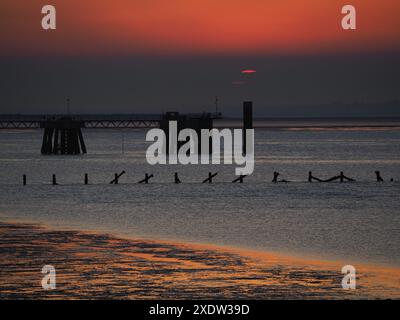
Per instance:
(248,71)
(205,27)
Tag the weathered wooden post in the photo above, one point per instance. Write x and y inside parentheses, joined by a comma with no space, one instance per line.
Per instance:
(341,178)
(24,179)
(239,179)
(146,179)
(311,178)
(177,180)
(54,180)
(86,178)
(210,177)
(378,176)
(276,175)
(116,177)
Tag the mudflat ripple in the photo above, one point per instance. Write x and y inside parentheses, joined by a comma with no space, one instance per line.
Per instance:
(101,266)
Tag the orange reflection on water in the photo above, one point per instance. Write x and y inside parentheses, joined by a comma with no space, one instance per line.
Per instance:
(91,265)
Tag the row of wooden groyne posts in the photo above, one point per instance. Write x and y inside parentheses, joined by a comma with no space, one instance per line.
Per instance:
(311,178)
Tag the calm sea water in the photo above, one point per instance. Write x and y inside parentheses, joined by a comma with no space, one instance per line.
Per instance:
(355,222)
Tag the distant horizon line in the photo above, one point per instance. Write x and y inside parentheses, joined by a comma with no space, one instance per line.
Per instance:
(229,117)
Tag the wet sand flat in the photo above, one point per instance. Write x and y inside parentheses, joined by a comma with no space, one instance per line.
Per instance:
(102,266)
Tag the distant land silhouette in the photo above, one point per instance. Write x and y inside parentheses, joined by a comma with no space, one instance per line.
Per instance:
(383,109)
(335,110)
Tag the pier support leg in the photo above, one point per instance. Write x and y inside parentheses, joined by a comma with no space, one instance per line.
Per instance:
(63,136)
(83,146)
(55,145)
(63,141)
(43,150)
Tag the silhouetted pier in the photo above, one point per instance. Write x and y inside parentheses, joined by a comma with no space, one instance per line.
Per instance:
(63,136)
(63,133)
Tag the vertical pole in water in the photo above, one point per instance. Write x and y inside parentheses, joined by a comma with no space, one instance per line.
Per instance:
(54,180)
(24,179)
(247,120)
(86,178)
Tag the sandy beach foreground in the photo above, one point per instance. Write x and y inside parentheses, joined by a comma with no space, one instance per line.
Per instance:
(101,266)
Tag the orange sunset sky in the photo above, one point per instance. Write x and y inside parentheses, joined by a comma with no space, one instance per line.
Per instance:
(209,27)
